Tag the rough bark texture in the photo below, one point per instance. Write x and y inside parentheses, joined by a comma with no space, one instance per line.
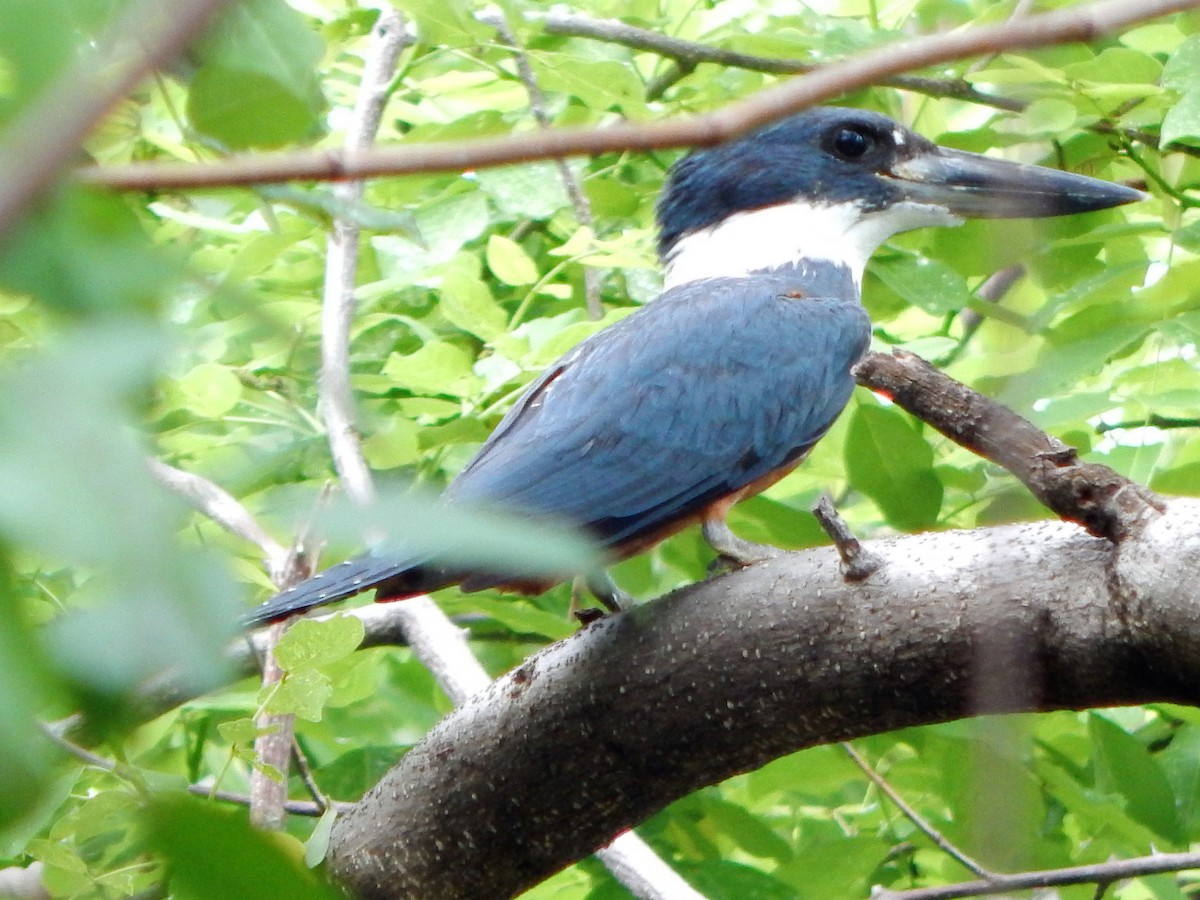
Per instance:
(601,730)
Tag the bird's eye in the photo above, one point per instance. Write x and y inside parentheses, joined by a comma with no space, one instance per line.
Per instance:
(850,143)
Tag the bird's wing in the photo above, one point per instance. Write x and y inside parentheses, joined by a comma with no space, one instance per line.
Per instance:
(710,388)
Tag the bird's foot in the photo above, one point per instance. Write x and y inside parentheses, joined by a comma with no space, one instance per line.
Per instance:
(601,586)
(734,552)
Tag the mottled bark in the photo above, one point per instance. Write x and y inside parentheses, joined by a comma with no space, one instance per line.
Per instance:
(599,731)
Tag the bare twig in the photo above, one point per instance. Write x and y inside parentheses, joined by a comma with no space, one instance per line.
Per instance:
(1154,420)
(388,39)
(96,761)
(220,506)
(1099,873)
(913,816)
(291,807)
(45,137)
(689,54)
(1105,503)
(857,561)
(992,290)
(272,747)
(1076,23)
(571,182)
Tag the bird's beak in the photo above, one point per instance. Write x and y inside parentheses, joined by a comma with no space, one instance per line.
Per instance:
(979,187)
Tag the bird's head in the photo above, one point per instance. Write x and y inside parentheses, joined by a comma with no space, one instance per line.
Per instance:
(833,184)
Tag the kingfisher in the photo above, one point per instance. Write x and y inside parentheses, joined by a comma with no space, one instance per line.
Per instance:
(722,385)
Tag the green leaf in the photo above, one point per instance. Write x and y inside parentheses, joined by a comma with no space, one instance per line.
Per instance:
(317,845)
(1182,121)
(1047,116)
(467,302)
(356,770)
(1182,71)
(534,190)
(1121,65)
(1124,766)
(925,283)
(436,368)
(392,445)
(310,644)
(63,254)
(239,731)
(256,85)
(35,42)
(210,390)
(446,22)
(302,694)
(149,604)
(213,852)
(889,461)
(599,84)
(479,536)
(509,262)
(519,616)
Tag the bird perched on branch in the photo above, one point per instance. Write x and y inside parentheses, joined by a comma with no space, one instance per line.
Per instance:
(722,385)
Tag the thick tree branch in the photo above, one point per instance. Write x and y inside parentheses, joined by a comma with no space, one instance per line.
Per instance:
(1077,23)
(646,706)
(1104,502)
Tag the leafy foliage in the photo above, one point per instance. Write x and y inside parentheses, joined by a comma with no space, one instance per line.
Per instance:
(186,326)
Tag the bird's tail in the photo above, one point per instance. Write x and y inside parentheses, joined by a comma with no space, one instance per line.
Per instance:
(394,579)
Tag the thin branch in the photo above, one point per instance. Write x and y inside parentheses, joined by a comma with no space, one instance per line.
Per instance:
(291,807)
(45,137)
(1076,23)
(96,761)
(571,182)
(320,799)
(389,38)
(687,55)
(915,817)
(221,506)
(1154,420)
(1105,503)
(272,747)
(1098,873)
(992,291)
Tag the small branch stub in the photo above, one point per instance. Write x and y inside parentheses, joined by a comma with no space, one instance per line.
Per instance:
(857,561)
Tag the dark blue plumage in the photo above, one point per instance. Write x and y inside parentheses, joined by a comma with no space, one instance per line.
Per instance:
(684,402)
(722,384)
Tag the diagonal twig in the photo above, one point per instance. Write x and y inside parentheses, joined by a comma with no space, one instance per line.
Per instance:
(915,817)
(1098,873)
(1104,502)
(1075,23)
(689,54)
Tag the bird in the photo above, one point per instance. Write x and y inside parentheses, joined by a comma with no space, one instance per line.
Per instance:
(722,385)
